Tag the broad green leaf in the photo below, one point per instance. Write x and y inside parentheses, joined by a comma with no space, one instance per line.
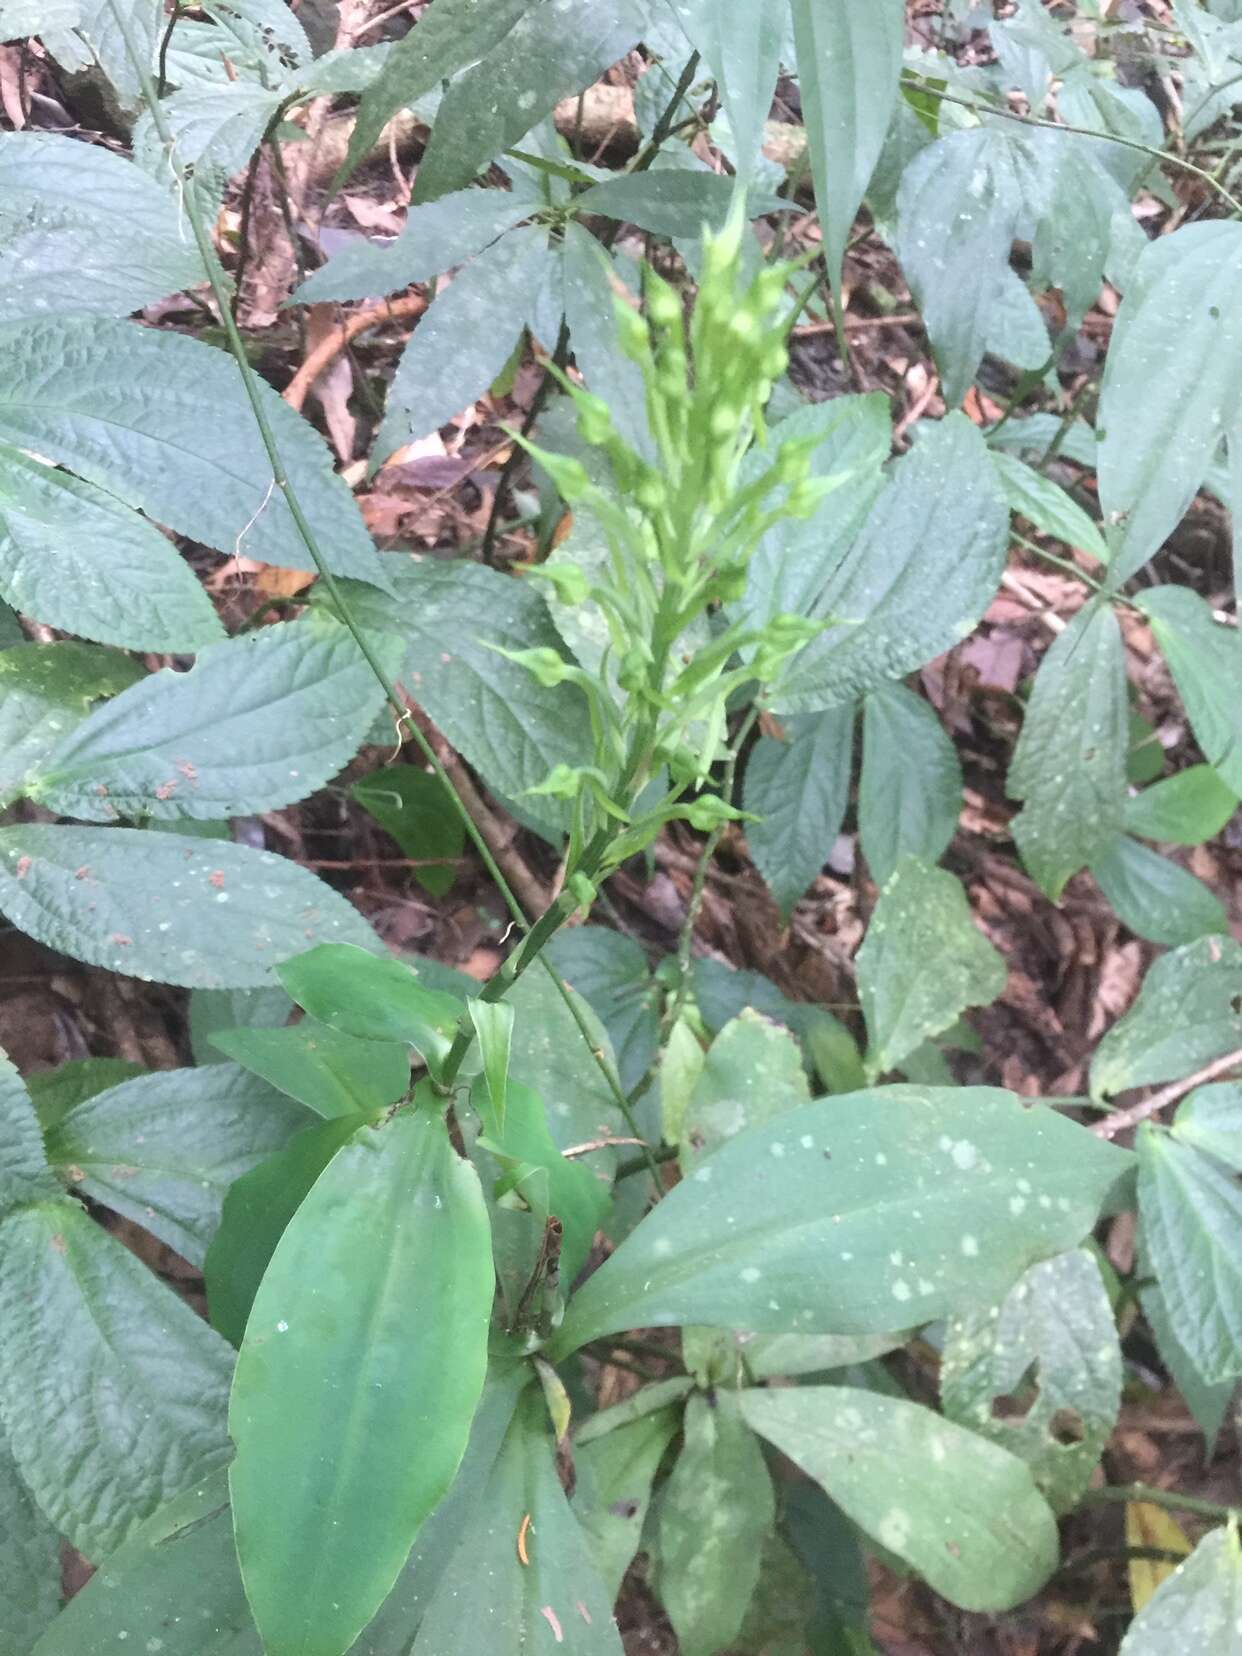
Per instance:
(373,997)
(213,1010)
(910,791)
(55,1092)
(1211,1120)
(1057,1324)
(610,972)
(615,1472)
(201,913)
(1205,659)
(85,1321)
(919,576)
(163,1149)
(741,46)
(415,808)
(963,1512)
(1045,504)
(490,1596)
(215,129)
(189,745)
(434,238)
(849,66)
(29,1562)
(1185,809)
(551,1056)
(85,230)
(799,789)
(19,18)
(922,963)
(368,1341)
(767,1355)
(716,1511)
(1178,329)
(669,201)
(464,341)
(1199,1607)
(1191,1210)
(73,557)
(830,1548)
(330,1072)
(162,421)
(551,51)
(257,1209)
(1188,1012)
(493,1029)
(931,1197)
(45,690)
(752,1073)
(1208,1401)
(449,35)
(24,1172)
(1070,762)
(1156,897)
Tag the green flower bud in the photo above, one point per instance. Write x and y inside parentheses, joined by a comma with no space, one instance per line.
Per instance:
(544,665)
(632,333)
(632,672)
(650,492)
(775,361)
(768,289)
(568,581)
(709,813)
(663,304)
(594,419)
(725,420)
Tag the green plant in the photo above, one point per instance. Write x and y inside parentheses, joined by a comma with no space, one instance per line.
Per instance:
(400,1325)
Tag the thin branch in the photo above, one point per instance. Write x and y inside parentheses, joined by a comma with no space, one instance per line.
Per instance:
(1151,1495)
(1121,1119)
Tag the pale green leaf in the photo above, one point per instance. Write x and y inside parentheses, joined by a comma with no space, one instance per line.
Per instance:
(330,1072)
(751,1074)
(587,276)
(1208,1401)
(741,47)
(29,1562)
(961,1511)
(930,1197)
(610,972)
(1199,1607)
(910,791)
(212,1010)
(1188,1012)
(1155,897)
(216,129)
(670,201)
(1185,809)
(203,913)
(86,1322)
(1046,505)
(334,1358)
(767,1355)
(24,1173)
(1205,659)
(550,1056)
(493,1029)
(1070,762)
(615,1472)
(922,963)
(799,789)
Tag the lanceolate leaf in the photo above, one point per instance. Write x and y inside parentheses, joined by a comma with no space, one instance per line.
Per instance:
(859,1213)
(963,1512)
(368,1343)
(416,808)
(332,1073)
(615,1472)
(24,1173)
(669,201)
(1199,1607)
(1211,1120)
(910,791)
(799,789)
(85,1321)
(1188,1012)
(741,46)
(29,1562)
(162,421)
(164,1148)
(1070,762)
(374,998)
(1155,897)
(1205,659)
(203,913)
(1045,504)
(256,723)
(1185,809)
(849,63)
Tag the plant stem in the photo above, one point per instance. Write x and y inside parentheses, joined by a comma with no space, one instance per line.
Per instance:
(1121,1119)
(1154,1496)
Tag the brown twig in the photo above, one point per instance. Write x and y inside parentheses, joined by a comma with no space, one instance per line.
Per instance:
(858,324)
(1118,1122)
(330,347)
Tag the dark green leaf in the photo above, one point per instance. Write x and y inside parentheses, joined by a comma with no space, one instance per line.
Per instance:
(29,1562)
(615,1472)
(493,1030)
(751,1074)
(332,1073)
(910,792)
(551,1056)
(1185,809)
(1154,896)
(46,690)
(373,997)
(335,1358)
(587,275)
(1211,1120)
(24,1173)
(1205,659)
(1188,1012)
(415,808)
(799,789)
(610,972)
(1199,1607)
(212,1010)
(1208,1401)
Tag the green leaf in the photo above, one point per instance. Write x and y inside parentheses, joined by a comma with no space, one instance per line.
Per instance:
(919,576)
(85,230)
(24,1173)
(922,963)
(932,1197)
(910,792)
(752,1073)
(55,1092)
(1177,329)
(849,67)
(1211,1120)
(741,46)
(1155,897)
(550,1056)
(961,1511)
(1205,659)
(29,1562)
(1199,1607)
(1191,1211)
(1046,505)
(464,341)
(182,744)
(373,997)
(1070,762)
(333,1357)
(1188,1012)
(767,1355)
(215,130)
(1185,809)
(493,1028)
(46,689)
(449,35)
(415,808)
(670,201)
(799,789)
(85,1321)
(162,421)
(332,1073)
(716,1511)
(1208,1402)
(587,276)
(1056,1323)
(615,1472)
(548,54)
(257,1210)
(213,1010)
(200,913)
(75,558)
(163,1149)
(610,971)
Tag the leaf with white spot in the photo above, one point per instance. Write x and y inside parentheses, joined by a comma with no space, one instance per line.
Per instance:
(1188,1012)
(46,690)
(751,1073)
(1199,1607)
